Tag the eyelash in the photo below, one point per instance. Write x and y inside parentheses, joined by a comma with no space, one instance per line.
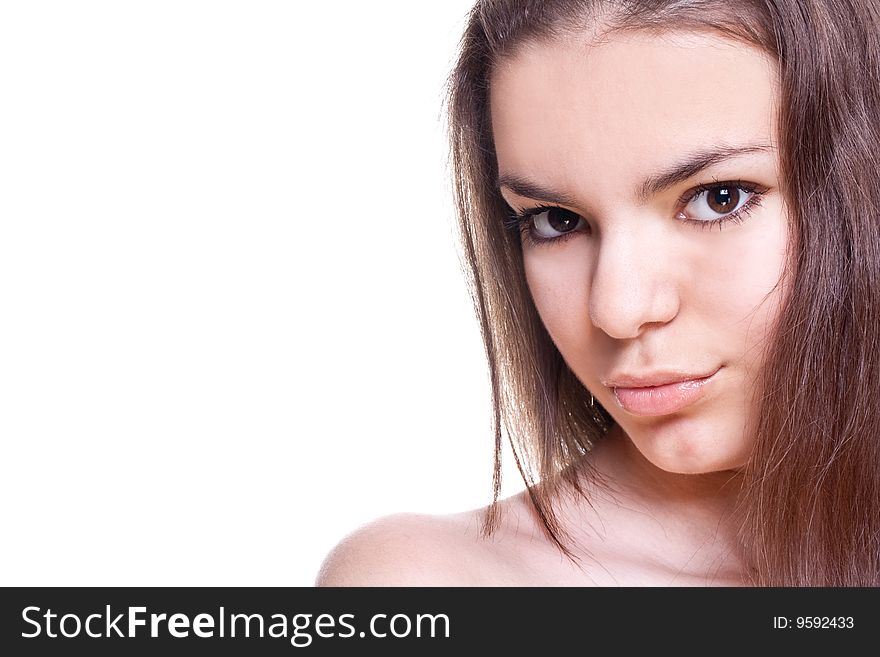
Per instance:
(522,220)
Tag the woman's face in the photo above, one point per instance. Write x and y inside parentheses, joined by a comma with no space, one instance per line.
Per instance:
(642,277)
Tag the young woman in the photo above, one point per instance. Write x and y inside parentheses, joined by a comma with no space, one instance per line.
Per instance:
(670,217)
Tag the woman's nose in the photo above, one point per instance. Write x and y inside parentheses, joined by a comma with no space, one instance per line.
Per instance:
(633,287)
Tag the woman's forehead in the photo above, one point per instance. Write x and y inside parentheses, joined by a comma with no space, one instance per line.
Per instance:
(629,105)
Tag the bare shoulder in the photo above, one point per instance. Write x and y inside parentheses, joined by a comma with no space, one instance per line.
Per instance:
(410,549)
(440,550)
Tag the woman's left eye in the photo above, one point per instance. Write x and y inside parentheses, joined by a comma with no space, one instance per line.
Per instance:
(718,202)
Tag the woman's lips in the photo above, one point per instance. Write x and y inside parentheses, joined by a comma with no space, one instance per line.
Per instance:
(664,399)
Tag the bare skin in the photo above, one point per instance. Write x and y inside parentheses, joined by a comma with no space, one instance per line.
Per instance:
(624,538)
(628,283)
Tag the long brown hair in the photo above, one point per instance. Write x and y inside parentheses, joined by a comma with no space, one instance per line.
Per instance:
(810,503)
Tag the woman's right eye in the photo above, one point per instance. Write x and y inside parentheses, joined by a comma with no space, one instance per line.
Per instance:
(551,223)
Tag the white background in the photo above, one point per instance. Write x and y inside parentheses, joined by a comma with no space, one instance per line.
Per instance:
(233,325)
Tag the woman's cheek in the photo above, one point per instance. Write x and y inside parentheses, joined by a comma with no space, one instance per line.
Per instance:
(559,288)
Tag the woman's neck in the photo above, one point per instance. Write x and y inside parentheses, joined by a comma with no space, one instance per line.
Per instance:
(653,513)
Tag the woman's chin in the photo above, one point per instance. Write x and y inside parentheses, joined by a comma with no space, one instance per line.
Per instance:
(689,452)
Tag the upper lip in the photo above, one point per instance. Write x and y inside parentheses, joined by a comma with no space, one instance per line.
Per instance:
(652,379)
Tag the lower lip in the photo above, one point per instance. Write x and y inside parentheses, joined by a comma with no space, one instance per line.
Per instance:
(662,400)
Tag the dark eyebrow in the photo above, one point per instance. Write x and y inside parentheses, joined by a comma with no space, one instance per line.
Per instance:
(691,166)
(677,173)
(532,190)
